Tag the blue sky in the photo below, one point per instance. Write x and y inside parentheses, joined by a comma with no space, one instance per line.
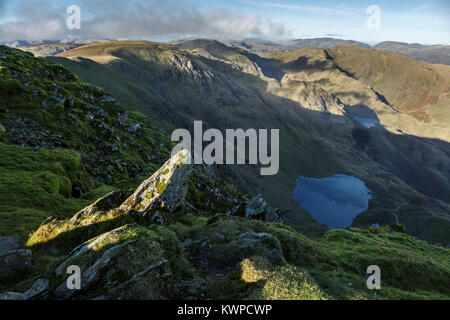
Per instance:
(423,21)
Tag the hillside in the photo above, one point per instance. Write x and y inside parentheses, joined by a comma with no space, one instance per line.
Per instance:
(312,99)
(63,143)
(439,54)
(191,234)
(264,46)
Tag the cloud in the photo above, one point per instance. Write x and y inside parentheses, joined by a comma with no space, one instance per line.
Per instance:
(307,9)
(35,20)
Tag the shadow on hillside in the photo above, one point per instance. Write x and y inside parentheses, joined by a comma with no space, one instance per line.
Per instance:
(312,143)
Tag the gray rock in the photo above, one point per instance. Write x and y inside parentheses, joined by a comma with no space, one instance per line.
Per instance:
(163,193)
(264,244)
(13,260)
(107,99)
(38,287)
(108,202)
(122,118)
(8,244)
(2,128)
(259,209)
(12,296)
(134,128)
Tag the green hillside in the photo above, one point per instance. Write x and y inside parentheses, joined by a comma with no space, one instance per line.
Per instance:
(311,95)
(85,182)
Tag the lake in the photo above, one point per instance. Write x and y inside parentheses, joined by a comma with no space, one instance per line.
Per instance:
(334,201)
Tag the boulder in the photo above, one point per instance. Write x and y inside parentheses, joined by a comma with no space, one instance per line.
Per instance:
(163,194)
(259,209)
(2,128)
(13,259)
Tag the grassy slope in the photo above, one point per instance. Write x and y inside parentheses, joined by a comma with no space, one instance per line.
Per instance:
(417,88)
(37,182)
(43,108)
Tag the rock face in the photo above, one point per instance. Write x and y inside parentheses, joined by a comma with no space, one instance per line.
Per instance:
(105,263)
(108,202)
(163,194)
(13,259)
(259,209)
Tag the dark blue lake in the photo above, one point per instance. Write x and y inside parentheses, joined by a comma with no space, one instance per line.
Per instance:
(334,201)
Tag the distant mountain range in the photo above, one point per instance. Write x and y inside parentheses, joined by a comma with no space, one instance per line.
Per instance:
(438,54)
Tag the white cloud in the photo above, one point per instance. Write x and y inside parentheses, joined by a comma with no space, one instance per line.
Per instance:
(134,19)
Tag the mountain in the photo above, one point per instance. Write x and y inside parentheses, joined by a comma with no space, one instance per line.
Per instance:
(429,53)
(50,47)
(191,231)
(327,43)
(312,95)
(63,143)
(265,46)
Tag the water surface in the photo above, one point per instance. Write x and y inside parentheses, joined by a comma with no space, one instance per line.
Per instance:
(334,201)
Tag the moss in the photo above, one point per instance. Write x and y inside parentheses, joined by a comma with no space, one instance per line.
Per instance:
(149,195)
(280,283)
(161,186)
(11,86)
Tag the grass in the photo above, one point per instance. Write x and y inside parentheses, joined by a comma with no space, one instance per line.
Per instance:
(44,108)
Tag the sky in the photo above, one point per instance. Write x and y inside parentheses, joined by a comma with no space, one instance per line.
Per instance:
(371,21)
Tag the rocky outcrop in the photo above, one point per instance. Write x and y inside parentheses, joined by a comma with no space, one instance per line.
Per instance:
(259,209)
(163,194)
(102,205)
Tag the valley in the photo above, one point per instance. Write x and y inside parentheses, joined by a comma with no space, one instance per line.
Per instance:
(311,95)
(87,178)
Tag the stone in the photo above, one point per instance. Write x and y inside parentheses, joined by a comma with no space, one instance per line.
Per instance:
(134,128)
(13,260)
(2,128)
(107,99)
(262,243)
(38,287)
(12,296)
(122,118)
(163,193)
(259,209)
(108,202)
(8,244)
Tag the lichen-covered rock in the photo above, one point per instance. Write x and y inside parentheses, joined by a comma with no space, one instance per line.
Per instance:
(108,202)
(130,262)
(259,209)
(162,196)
